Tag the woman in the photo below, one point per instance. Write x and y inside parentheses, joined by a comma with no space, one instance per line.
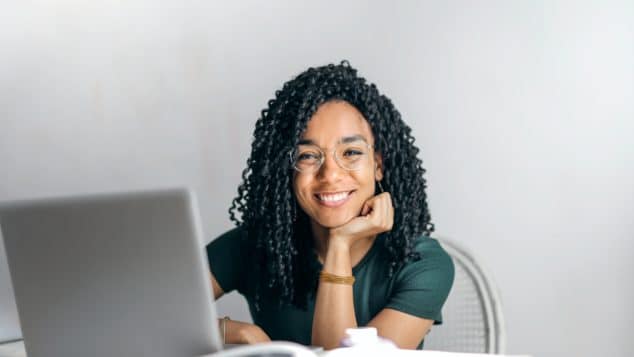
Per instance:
(332,221)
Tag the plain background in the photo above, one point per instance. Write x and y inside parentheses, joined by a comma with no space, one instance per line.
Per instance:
(523,111)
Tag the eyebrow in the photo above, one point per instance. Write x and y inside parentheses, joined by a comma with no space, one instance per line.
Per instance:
(345,140)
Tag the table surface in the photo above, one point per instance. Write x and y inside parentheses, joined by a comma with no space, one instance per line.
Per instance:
(16,349)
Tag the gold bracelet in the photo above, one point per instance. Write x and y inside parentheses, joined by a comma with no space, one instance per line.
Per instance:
(223,326)
(337,279)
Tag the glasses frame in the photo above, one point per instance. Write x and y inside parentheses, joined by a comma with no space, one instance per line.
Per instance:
(323,157)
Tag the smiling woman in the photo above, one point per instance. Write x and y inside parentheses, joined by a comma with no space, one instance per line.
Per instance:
(332,221)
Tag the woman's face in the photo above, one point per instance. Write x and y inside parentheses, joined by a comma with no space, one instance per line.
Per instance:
(331,195)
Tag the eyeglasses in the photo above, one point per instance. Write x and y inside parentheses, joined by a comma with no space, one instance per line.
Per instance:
(351,156)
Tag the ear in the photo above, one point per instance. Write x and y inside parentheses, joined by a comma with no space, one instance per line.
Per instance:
(378,166)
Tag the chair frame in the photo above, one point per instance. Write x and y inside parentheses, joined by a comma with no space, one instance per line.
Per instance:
(492,307)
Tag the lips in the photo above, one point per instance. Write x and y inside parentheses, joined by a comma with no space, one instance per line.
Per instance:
(333,199)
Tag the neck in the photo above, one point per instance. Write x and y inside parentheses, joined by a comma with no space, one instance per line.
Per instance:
(358,250)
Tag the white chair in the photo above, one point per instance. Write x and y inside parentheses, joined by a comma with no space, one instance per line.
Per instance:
(472,315)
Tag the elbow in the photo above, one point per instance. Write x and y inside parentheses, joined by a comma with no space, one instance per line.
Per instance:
(325,343)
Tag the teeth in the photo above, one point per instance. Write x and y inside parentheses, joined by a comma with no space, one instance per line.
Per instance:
(335,197)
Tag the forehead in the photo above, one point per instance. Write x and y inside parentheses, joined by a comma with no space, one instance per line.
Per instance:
(335,120)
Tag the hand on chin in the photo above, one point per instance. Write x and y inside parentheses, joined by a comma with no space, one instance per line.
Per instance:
(377,216)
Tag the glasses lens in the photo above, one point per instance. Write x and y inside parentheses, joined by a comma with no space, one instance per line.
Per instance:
(306,158)
(353,155)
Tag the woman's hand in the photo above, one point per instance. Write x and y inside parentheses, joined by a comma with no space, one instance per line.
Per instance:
(377,216)
(244,333)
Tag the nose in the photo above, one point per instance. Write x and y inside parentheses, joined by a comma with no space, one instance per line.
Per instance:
(329,170)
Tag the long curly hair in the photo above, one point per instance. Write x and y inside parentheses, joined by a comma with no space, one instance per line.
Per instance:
(278,230)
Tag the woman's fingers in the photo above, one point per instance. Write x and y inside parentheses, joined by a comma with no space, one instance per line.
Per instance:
(365,209)
(377,216)
(381,211)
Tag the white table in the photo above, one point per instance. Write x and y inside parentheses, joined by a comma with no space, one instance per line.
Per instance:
(16,349)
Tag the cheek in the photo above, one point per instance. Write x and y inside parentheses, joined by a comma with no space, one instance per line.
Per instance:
(366,180)
(300,189)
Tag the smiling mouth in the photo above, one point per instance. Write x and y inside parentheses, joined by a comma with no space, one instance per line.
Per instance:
(333,199)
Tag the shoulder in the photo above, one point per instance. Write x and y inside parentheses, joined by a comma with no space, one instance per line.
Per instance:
(234,236)
(430,248)
(230,245)
(434,265)
(226,255)
(421,286)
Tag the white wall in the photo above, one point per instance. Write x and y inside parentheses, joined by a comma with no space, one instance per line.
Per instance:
(523,110)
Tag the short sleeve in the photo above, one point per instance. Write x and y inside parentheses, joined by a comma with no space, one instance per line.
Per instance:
(227,255)
(421,287)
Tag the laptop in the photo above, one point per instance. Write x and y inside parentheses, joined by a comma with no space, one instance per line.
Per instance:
(121,274)
(111,275)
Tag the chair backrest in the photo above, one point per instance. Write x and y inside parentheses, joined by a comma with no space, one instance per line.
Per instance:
(472,315)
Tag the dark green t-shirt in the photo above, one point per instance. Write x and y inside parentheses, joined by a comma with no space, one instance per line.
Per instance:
(419,288)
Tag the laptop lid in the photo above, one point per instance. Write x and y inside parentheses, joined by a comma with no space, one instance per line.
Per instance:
(111,275)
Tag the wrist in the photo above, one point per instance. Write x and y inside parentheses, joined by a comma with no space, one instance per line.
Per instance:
(223,328)
(337,260)
(338,243)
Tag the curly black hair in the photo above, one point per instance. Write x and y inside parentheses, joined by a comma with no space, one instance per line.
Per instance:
(265,206)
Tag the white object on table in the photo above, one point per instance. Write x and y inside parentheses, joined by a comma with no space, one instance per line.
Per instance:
(350,352)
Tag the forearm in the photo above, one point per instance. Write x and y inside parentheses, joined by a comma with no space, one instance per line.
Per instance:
(334,306)
(236,332)
(232,331)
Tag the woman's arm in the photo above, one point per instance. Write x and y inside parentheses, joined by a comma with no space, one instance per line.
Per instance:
(217,290)
(334,306)
(238,332)
(405,330)
(334,311)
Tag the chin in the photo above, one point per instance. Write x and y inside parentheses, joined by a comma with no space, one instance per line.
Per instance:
(333,222)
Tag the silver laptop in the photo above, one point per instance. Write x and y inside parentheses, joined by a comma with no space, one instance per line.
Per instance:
(111,275)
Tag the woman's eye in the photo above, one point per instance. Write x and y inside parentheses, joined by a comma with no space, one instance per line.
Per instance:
(352,152)
(307,156)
